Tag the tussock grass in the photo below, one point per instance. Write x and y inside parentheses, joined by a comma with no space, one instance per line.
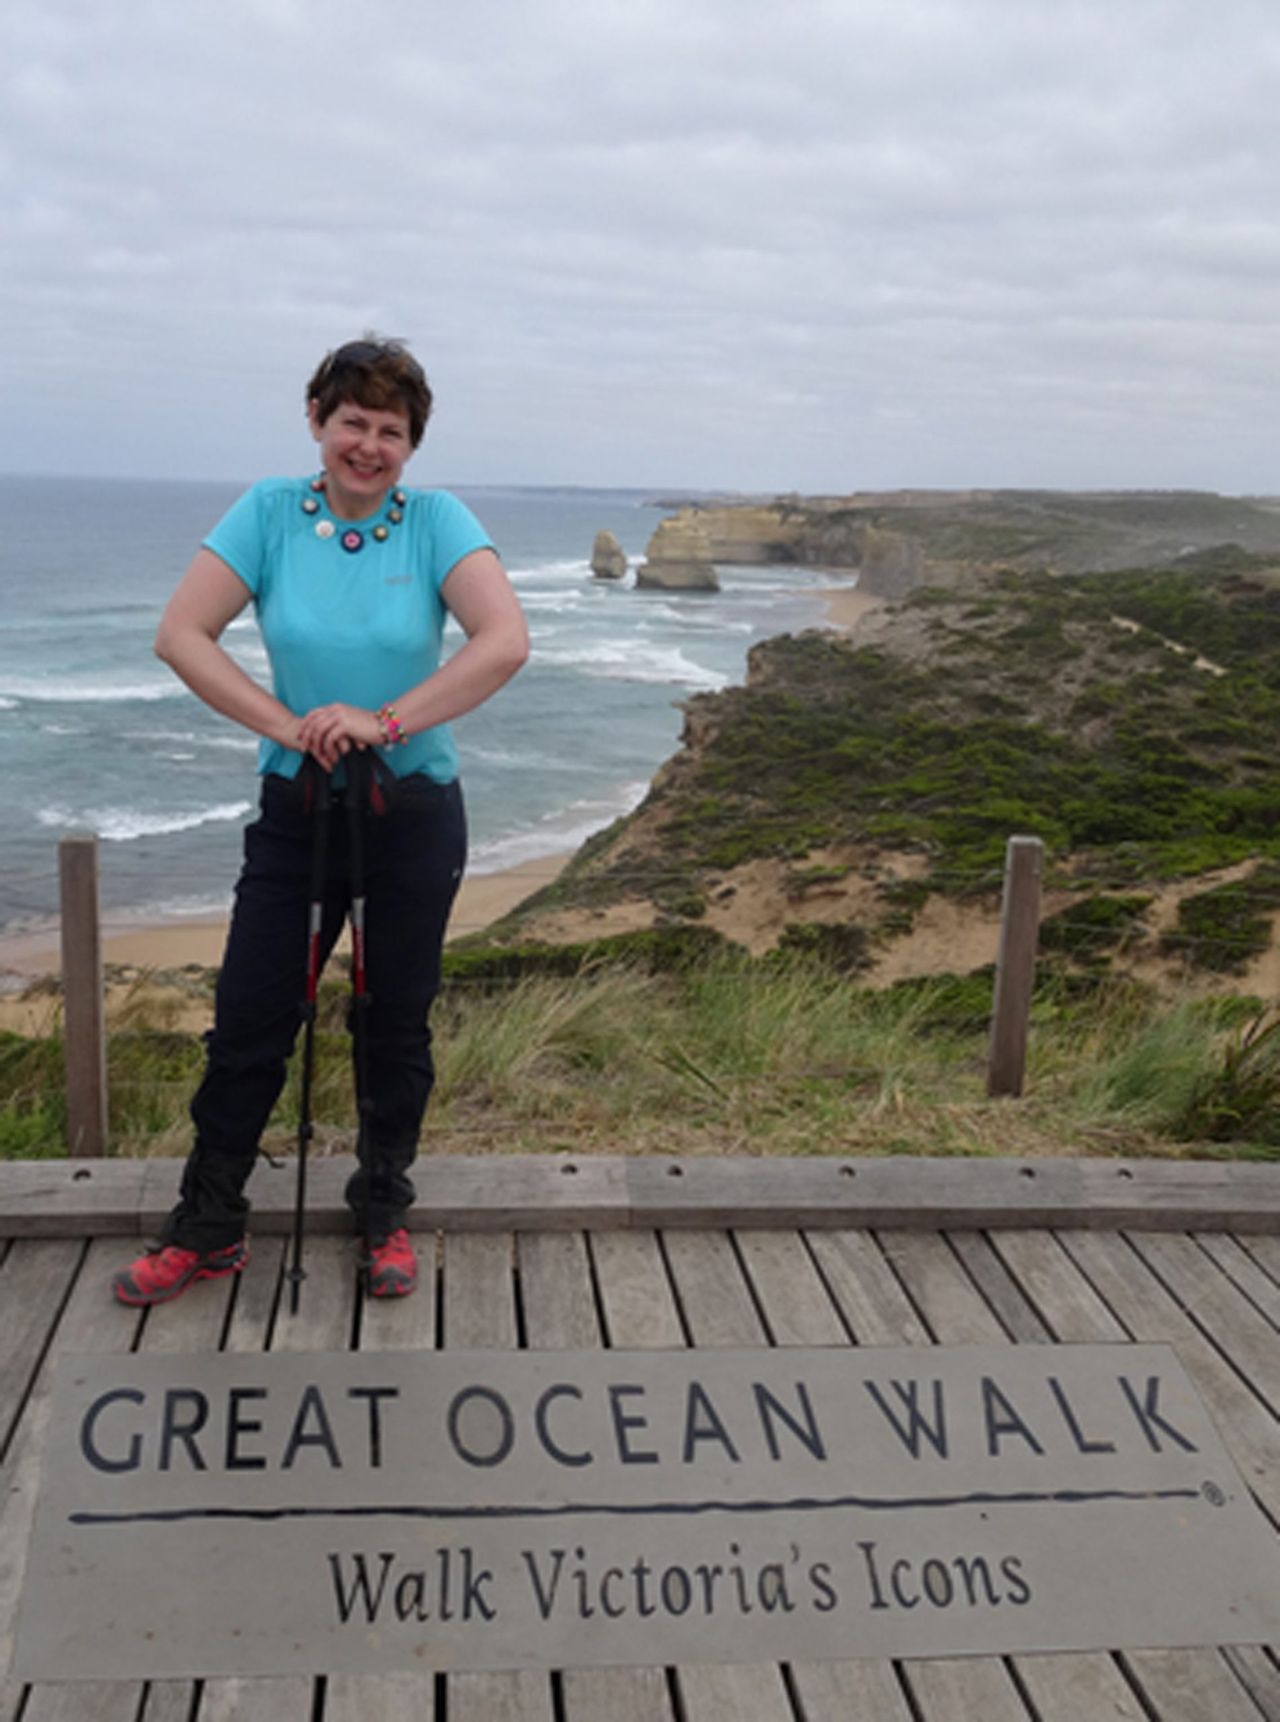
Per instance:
(735,1056)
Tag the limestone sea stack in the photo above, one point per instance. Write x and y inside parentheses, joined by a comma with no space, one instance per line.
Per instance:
(608,558)
(678,558)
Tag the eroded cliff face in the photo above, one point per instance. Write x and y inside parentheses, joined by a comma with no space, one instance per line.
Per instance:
(679,556)
(901,540)
(890,564)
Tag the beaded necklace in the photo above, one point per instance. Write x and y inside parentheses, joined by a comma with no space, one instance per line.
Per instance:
(352,539)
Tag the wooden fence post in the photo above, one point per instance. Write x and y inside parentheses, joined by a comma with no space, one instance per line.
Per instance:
(82,1002)
(1015,966)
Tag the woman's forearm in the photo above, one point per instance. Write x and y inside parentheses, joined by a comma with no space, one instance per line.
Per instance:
(477,669)
(216,678)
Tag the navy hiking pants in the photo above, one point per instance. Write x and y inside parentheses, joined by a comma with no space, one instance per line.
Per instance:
(414,856)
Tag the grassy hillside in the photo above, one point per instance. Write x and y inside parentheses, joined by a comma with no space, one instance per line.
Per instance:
(1128,719)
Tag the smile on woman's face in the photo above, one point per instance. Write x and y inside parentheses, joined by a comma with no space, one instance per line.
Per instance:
(363,451)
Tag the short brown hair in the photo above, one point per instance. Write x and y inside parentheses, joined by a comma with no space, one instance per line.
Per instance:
(375,373)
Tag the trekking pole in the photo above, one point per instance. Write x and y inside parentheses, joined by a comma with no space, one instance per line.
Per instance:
(318,804)
(361,791)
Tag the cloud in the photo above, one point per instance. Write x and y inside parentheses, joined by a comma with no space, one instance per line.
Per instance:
(927,241)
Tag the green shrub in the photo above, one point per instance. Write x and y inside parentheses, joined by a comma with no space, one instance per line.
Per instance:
(1241,1099)
(1225,928)
(842,946)
(1087,931)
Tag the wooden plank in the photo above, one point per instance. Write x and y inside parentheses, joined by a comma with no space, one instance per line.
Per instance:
(952,1687)
(999,1290)
(1077,1315)
(1266,1252)
(1064,1688)
(71,1198)
(1067,1686)
(479,1293)
(636,1299)
(539,1192)
(455,1193)
(641,1310)
(796,1306)
(948,1301)
(1189,1686)
(283,1698)
(902,1191)
(379,1698)
(1239,1330)
(1079,1689)
(1259,1676)
(1070,1306)
(616,1695)
(521,1697)
(871,1300)
(257,1294)
(1244,1272)
(324,1322)
(65,1701)
(730,1692)
(709,1192)
(719,1311)
(849,1692)
(92,1323)
(556,1292)
(1149,1313)
(717,1305)
(560,1311)
(391,1324)
(191,1325)
(35,1279)
(198,1323)
(798,1310)
(1175,1196)
(326,1307)
(167,1701)
(955,1314)
(480,1311)
(84,1012)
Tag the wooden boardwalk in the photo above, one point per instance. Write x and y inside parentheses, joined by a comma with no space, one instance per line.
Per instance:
(533,1256)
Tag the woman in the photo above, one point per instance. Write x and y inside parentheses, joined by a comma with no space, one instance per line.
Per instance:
(351,578)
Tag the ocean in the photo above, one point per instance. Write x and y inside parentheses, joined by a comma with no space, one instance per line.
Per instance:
(96,734)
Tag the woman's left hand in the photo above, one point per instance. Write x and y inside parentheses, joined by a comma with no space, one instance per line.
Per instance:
(328,732)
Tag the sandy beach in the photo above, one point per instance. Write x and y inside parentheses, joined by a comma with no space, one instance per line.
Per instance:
(174,945)
(846,605)
(483,899)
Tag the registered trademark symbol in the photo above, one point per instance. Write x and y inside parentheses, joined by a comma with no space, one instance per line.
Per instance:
(1213,1494)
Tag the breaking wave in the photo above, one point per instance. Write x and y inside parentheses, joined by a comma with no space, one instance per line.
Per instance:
(124,824)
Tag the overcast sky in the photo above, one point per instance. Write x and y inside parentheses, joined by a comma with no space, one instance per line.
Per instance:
(783,245)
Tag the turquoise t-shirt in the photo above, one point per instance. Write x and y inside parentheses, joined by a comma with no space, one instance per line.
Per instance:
(362,627)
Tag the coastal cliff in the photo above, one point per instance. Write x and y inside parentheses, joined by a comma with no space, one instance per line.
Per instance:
(679,557)
(857,793)
(899,541)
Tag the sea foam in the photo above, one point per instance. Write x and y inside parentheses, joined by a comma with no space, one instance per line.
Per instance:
(631,661)
(124,824)
(556,833)
(72,692)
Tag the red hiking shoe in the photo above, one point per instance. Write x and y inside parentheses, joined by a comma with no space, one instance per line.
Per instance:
(166,1271)
(391,1268)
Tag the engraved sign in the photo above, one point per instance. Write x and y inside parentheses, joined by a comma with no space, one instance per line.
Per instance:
(300,1513)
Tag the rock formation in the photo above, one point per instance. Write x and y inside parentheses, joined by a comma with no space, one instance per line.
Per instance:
(678,558)
(608,558)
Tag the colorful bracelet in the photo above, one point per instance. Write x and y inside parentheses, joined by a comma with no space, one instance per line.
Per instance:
(393,731)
